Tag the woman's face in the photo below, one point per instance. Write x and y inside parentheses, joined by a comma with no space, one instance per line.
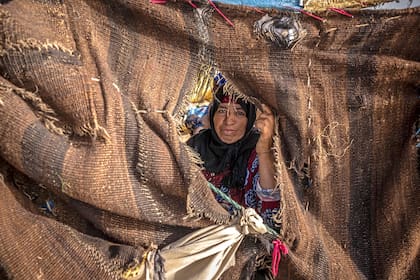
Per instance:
(230,122)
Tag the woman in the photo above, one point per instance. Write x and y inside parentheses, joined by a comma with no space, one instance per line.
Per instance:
(236,151)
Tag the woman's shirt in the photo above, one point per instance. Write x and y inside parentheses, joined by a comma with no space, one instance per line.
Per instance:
(250,195)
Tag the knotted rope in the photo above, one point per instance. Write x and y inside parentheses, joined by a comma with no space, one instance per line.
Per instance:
(279,247)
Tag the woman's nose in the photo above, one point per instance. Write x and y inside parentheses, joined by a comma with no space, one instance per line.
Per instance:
(230,116)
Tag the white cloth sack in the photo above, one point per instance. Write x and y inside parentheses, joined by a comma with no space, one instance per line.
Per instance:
(206,253)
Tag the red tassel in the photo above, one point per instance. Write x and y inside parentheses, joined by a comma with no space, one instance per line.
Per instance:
(192,4)
(220,12)
(158,1)
(278,249)
(259,10)
(312,15)
(307,13)
(341,11)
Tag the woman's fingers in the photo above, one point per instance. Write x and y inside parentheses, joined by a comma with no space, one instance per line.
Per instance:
(265,121)
(265,124)
(266,110)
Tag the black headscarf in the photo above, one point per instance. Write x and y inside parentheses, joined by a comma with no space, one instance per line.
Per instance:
(219,156)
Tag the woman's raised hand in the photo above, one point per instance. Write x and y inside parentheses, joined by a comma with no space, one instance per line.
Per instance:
(265,124)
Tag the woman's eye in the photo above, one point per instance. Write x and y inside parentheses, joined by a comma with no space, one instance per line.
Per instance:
(240,113)
(221,111)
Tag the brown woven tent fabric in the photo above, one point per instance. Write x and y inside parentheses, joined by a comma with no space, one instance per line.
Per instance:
(90,97)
